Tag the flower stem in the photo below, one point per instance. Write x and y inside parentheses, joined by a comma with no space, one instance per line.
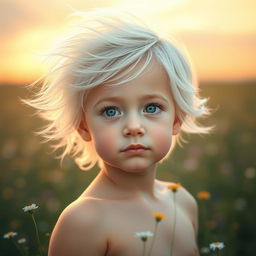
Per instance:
(144,248)
(153,239)
(37,235)
(207,230)
(174,224)
(18,247)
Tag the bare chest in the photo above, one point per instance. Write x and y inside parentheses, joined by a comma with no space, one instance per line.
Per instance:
(173,235)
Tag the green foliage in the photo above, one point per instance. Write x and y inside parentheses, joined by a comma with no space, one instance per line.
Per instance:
(222,163)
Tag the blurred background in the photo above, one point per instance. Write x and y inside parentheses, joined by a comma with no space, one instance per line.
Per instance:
(221,39)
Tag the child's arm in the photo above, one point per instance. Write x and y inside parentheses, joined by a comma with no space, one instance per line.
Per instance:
(79,231)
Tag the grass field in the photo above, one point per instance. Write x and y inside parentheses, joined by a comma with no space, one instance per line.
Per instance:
(223,163)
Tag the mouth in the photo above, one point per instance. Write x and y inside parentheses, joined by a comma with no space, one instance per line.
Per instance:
(135,148)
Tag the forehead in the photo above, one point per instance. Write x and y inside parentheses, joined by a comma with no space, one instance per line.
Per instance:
(153,80)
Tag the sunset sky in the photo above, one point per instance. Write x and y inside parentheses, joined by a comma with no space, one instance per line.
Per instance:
(220,35)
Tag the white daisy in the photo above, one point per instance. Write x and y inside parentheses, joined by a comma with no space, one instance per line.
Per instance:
(30,208)
(10,235)
(217,246)
(144,235)
(22,241)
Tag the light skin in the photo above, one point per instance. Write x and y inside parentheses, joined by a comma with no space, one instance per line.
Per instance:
(131,127)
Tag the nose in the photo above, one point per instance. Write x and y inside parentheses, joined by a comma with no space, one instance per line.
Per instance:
(133,128)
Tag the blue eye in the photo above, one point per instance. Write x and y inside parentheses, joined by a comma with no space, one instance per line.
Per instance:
(152,108)
(110,111)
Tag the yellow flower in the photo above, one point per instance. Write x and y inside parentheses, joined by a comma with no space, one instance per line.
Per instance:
(203,195)
(174,187)
(158,216)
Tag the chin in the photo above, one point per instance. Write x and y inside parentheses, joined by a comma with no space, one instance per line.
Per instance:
(132,165)
(136,167)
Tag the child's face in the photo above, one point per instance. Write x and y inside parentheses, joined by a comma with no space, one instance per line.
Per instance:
(139,114)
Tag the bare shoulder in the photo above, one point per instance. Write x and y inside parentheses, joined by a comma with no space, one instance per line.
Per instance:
(184,198)
(79,231)
(186,202)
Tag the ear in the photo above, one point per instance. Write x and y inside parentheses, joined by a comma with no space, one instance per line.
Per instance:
(83,131)
(176,126)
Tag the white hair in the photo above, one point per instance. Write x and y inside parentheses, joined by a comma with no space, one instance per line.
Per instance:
(105,49)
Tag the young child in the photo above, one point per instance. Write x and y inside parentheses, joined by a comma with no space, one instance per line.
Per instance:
(119,95)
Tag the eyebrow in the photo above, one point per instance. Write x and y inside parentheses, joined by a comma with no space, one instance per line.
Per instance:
(144,97)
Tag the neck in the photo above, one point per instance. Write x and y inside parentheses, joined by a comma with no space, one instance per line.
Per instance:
(133,183)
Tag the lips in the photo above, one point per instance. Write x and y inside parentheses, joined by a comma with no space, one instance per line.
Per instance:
(134,147)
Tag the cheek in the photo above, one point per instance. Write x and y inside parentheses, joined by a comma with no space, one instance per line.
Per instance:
(105,141)
(162,138)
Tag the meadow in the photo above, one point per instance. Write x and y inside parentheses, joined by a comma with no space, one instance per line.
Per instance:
(222,163)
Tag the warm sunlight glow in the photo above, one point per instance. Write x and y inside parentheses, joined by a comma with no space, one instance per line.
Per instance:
(146,7)
(23,55)
(219,35)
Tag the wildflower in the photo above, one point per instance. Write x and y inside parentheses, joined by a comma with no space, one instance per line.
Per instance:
(158,216)
(22,241)
(205,250)
(144,235)
(216,246)
(10,235)
(30,208)
(174,187)
(204,195)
